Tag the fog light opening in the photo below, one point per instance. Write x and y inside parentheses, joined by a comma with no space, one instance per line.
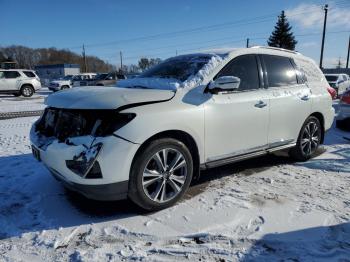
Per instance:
(83,163)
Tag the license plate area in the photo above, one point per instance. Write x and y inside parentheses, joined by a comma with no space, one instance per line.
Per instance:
(36,153)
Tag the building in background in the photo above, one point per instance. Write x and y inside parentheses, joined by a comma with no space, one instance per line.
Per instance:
(49,72)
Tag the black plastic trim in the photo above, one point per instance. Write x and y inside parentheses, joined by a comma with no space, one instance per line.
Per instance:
(143,103)
(104,192)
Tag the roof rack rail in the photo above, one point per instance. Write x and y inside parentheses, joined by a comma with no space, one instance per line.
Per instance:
(276,48)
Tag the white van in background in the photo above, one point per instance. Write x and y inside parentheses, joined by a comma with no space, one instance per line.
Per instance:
(83,79)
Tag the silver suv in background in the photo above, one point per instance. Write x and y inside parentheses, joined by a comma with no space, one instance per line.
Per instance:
(62,83)
(19,82)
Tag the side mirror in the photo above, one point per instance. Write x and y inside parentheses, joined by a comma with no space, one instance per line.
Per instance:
(224,84)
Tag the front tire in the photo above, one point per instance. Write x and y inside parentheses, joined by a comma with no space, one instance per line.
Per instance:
(308,141)
(160,174)
(27,91)
(64,87)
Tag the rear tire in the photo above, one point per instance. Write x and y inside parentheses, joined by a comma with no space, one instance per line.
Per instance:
(27,91)
(308,140)
(160,174)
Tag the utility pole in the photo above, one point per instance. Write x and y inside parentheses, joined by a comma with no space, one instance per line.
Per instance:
(84,57)
(324,33)
(347,59)
(175,52)
(121,61)
(247,43)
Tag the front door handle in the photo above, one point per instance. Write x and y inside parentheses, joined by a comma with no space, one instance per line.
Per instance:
(260,104)
(305,97)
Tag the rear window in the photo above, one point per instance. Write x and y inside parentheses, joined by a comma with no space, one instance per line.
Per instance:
(11,74)
(280,71)
(29,73)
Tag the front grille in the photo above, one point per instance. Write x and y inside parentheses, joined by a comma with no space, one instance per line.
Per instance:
(65,123)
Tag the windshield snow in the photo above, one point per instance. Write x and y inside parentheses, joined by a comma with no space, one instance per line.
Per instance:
(179,68)
(184,71)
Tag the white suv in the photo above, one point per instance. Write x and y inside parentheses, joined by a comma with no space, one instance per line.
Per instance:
(148,137)
(19,82)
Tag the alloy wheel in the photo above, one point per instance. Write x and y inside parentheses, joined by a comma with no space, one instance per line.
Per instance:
(164,175)
(310,138)
(27,91)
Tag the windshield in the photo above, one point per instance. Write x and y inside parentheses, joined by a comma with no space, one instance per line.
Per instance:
(67,77)
(180,67)
(331,78)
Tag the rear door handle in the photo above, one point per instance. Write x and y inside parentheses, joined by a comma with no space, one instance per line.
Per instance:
(305,97)
(260,104)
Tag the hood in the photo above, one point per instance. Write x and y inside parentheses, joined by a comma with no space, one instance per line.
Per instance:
(105,97)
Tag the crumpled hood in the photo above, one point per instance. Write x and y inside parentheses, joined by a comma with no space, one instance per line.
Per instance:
(105,97)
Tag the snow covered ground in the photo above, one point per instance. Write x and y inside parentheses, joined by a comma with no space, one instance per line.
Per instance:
(10,103)
(265,209)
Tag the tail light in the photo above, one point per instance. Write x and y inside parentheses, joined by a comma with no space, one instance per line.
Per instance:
(345,98)
(332,92)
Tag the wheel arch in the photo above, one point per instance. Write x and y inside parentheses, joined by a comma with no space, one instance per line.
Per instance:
(182,136)
(27,84)
(320,118)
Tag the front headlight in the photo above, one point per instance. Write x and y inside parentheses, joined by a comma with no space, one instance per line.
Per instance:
(108,126)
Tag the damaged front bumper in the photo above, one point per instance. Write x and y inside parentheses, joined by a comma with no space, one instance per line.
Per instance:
(97,167)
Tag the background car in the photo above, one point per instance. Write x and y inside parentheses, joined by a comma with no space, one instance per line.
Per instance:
(19,82)
(109,80)
(61,84)
(340,82)
(83,79)
(343,116)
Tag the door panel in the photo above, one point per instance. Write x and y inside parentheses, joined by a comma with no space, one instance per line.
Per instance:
(236,124)
(289,108)
(290,102)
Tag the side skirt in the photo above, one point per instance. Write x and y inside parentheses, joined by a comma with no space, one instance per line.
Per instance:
(237,158)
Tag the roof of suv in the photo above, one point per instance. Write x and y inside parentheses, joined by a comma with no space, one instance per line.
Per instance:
(18,70)
(255,49)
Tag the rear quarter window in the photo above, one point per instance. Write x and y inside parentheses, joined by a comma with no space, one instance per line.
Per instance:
(29,74)
(312,72)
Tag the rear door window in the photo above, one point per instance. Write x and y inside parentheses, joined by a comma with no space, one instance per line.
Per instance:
(280,71)
(11,74)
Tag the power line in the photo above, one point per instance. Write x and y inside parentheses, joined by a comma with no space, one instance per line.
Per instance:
(240,22)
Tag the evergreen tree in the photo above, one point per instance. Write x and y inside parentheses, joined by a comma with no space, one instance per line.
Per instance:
(282,36)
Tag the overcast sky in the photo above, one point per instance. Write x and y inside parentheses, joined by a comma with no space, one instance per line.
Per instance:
(160,28)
